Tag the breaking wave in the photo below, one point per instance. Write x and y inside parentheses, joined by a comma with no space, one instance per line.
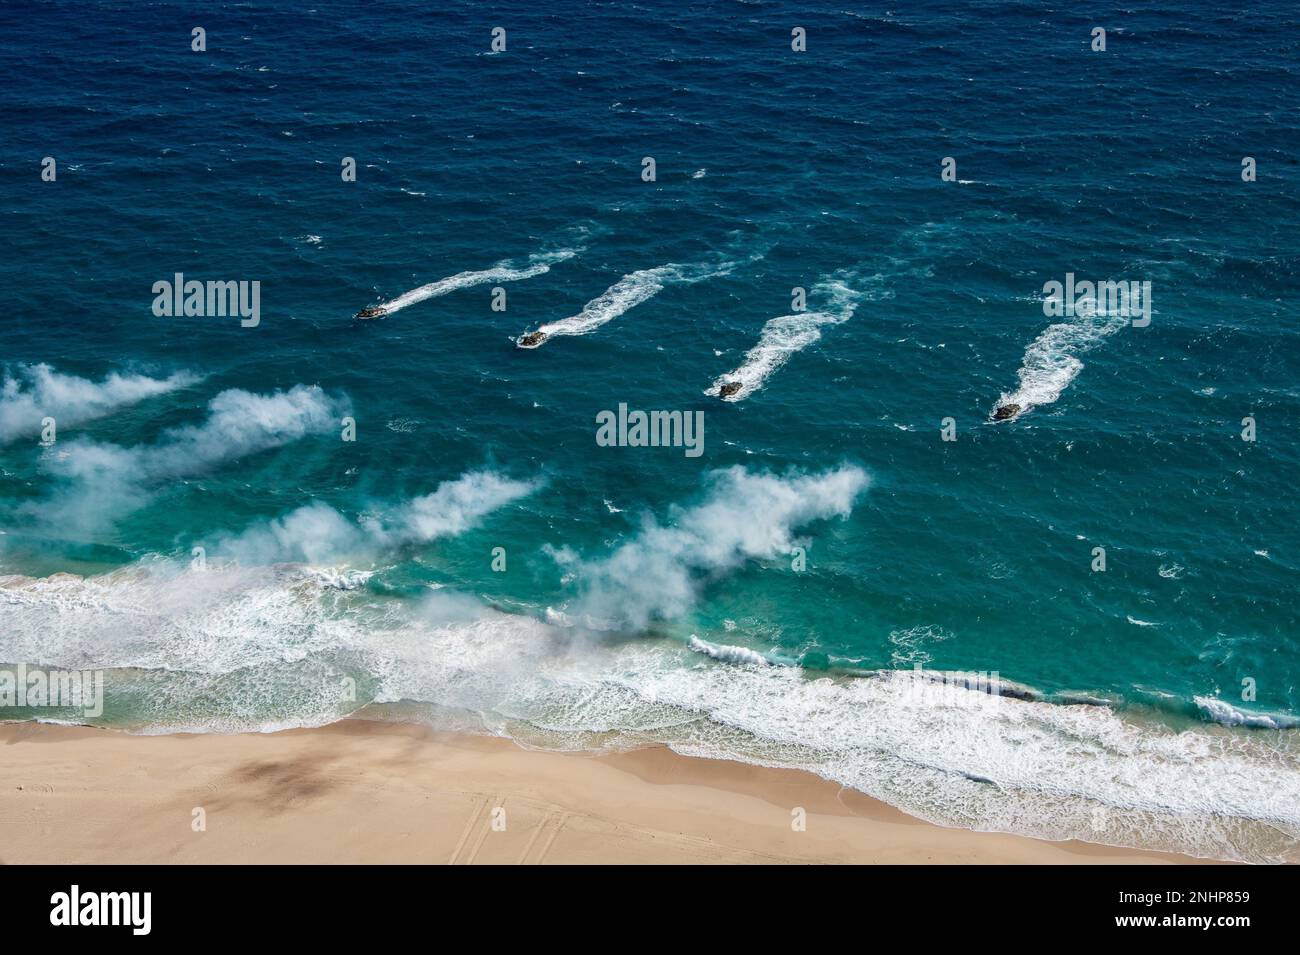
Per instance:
(1226,714)
(727,654)
(235,648)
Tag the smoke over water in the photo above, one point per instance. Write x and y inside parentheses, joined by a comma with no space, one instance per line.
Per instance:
(38,391)
(318,534)
(104,481)
(743,517)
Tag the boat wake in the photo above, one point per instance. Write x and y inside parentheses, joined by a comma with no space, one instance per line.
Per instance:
(507,271)
(627,293)
(1052,362)
(785,336)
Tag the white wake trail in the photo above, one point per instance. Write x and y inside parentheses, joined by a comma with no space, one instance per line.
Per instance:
(538,264)
(1052,359)
(627,293)
(785,336)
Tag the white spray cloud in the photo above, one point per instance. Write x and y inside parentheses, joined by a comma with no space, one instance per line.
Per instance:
(38,391)
(453,508)
(318,534)
(239,423)
(107,480)
(313,534)
(743,517)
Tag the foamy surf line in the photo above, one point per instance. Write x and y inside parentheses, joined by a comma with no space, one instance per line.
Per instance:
(625,294)
(783,337)
(538,264)
(251,649)
(245,648)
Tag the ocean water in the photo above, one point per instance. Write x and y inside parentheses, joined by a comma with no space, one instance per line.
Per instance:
(201,531)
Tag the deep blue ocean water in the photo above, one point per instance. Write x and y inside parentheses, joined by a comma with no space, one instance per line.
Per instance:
(648,595)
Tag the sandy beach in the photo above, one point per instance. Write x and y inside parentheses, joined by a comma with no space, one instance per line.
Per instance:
(369,792)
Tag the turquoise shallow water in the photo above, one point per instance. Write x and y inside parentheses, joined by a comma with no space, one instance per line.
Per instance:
(647,594)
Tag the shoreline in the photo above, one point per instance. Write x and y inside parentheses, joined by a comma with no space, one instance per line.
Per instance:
(365,791)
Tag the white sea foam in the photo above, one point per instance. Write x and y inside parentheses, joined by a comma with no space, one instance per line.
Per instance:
(628,292)
(910,645)
(537,264)
(240,648)
(341,578)
(744,516)
(38,391)
(1052,359)
(786,335)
